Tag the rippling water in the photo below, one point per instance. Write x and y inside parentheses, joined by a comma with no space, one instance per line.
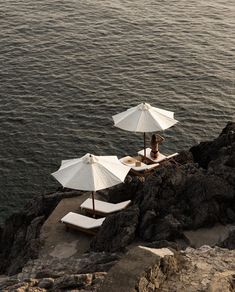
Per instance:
(67,66)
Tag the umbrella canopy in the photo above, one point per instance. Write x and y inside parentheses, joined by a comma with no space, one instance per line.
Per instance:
(144,118)
(91,173)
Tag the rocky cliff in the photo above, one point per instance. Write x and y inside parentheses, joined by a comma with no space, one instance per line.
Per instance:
(19,237)
(139,270)
(195,190)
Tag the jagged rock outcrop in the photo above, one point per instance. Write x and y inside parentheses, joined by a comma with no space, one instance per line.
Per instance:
(183,196)
(19,236)
(140,269)
(186,197)
(117,231)
(229,242)
(52,274)
(198,190)
(123,192)
(68,282)
(204,269)
(221,148)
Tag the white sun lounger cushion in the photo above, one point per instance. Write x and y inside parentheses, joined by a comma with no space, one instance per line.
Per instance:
(161,157)
(82,221)
(104,207)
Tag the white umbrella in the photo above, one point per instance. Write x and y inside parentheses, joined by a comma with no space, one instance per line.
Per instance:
(91,173)
(144,118)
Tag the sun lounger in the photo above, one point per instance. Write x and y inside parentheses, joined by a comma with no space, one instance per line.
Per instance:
(138,170)
(103,208)
(82,223)
(161,157)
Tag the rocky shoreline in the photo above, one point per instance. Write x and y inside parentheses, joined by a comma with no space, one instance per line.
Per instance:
(196,190)
(140,269)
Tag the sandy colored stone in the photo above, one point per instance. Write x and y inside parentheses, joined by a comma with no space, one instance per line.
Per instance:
(223,282)
(139,270)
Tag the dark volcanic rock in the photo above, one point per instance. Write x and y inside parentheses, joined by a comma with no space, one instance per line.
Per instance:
(207,196)
(184,157)
(123,192)
(196,190)
(193,196)
(19,235)
(208,151)
(117,231)
(229,242)
(179,196)
(167,228)
(25,237)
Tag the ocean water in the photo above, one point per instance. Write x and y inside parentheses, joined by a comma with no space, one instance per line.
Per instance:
(67,66)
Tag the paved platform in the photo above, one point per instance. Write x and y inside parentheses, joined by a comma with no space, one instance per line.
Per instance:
(58,242)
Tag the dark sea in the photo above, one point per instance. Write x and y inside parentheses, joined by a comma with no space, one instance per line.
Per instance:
(67,66)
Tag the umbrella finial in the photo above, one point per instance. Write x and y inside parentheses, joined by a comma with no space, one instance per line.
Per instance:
(144,106)
(89,158)
(92,159)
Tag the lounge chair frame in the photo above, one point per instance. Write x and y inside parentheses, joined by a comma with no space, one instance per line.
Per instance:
(88,231)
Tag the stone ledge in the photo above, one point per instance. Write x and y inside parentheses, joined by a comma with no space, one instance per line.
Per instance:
(141,269)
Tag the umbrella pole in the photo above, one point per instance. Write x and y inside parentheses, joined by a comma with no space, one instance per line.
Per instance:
(144,146)
(93,202)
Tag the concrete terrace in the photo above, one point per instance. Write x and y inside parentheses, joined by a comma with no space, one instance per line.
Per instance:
(59,243)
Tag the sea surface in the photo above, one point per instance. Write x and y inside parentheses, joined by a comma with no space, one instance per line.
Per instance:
(67,66)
